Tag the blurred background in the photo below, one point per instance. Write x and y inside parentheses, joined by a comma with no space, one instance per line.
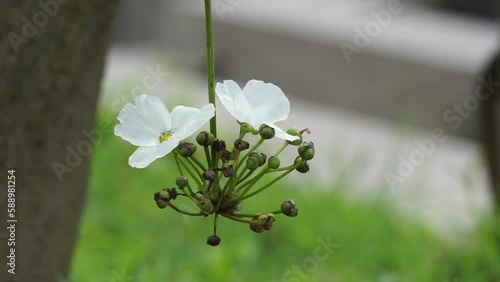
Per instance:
(400,187)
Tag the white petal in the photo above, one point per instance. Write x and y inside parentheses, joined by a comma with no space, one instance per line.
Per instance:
(232,98)
(144,156)
(186,120)
(279,133)
(267,102)
(142,124)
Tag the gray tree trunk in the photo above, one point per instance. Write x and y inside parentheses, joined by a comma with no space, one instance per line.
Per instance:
(491,111)
(51,62)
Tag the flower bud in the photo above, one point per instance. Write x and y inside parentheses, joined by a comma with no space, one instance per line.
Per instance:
(171,192)
(227,170)
(162,199)
(268,225)
(289,208)
(225,155)
(302,168)
(213,240)
(162,203)
(273,162)
(186,149)
(210,174)
(262,219)
(181,181)
(219,145)
(306,150)
(260,157)
(252,163)
(205,139)
(256,228)
(295,132)
(241,145)
(266,132)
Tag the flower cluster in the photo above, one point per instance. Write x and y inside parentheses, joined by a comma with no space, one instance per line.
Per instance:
(231,171)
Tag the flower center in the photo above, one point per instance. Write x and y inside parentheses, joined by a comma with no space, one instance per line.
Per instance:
(165,135)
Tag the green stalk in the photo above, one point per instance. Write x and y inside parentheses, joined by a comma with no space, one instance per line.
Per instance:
(210,63)
(186,165)
(242,197)
(183,211)
(239,219)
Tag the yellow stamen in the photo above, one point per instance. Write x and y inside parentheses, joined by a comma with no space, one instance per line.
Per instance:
(165,135)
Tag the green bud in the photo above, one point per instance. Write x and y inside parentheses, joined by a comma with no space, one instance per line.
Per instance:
(161,203)
(213,240)
(252,163)
(295,132)
(205,139)
(181,181)
(171,192)
(273,162)
(260,157)
(164,195)
(210,174)
(162,199)
(241,145)
(256,228)
(289,208)
(303,168)
(262,219)
(306,150)
(186,149)
(266,131)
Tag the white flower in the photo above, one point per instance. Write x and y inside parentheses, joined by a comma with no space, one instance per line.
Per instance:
(256,104)
(149,125)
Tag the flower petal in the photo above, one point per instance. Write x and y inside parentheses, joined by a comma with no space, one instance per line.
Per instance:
(144,156)
(187,120)
(282,134)
(268,104)
(232,98)
(142,124)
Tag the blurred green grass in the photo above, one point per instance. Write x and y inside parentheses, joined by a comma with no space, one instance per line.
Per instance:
(125,237)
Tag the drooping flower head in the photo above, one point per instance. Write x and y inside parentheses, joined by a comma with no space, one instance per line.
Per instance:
(149,125)
(258,103)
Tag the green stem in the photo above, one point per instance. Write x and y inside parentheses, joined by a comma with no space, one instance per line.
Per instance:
(198,163)
(241,179)
(235,218)
(210,62)
(254,215)
(252,181)
(281,149)
(183,211)
(268,184)
(207,155)
(188,169)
